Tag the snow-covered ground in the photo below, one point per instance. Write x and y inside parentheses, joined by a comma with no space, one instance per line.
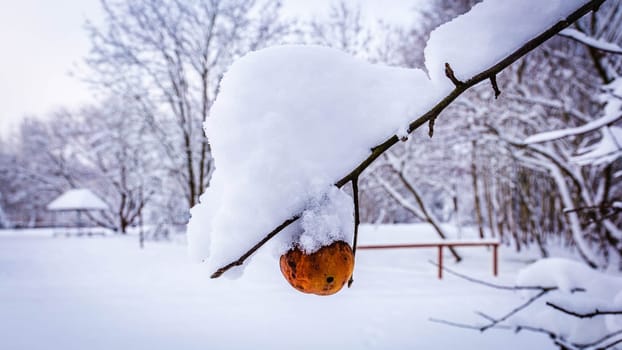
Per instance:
(105,293)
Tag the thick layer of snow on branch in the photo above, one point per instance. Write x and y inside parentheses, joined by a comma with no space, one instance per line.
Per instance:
(490,31)
(581,290)
(289,122)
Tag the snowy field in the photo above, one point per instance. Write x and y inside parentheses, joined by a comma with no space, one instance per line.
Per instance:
(105,293)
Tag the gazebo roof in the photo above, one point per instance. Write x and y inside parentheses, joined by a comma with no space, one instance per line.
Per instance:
(78,199)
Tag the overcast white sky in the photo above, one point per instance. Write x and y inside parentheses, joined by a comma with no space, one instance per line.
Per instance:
(42,41)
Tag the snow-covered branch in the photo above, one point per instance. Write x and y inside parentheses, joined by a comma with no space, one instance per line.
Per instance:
(480,68)
(585,39)
(562,282)
(585,128)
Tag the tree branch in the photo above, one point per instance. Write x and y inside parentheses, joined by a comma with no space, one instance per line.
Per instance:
(588,41)
(495,87)
(515,310)
(433,114)
(563,345)
(594,313)
(500,286)
(250,252)
(357,221)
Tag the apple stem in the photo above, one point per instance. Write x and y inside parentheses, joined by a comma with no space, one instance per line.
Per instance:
(357,221)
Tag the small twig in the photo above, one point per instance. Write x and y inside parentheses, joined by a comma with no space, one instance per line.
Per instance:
(610,345)
(495,87)
(493,285)
(517,309)
(516,329)
(357,221)
(600,341)
(464,325)
(431,127)
(484,316)
(594,313)
(450,74)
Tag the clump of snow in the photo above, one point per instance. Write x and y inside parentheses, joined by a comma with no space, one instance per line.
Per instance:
(327,220)
(489,32)
(289,122)
(556,272)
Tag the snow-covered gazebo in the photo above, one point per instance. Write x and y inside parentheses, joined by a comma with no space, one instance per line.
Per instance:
(79,200)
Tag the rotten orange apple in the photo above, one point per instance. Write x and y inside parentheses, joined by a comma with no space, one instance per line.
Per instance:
(323,272)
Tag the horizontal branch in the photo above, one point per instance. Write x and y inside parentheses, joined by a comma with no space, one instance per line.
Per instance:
(500,286)
(594,313)
(433,113)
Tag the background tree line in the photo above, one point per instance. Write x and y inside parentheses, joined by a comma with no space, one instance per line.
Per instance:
(158,63)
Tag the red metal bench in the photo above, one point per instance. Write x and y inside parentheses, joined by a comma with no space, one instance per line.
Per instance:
(447,243)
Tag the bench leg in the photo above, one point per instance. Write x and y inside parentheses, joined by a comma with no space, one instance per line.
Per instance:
(495,260)
(440,262)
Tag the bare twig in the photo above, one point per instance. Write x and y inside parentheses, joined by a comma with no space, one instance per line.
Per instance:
(556,339)
(434,112)
(600,340)
(594,313)
(452,76)
(357,221)
(516,310)
(610,345)
(484,316)
(495,87)
(499,286)
(431,127)
(464,325)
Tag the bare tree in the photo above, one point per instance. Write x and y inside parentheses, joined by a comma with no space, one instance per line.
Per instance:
(171,56)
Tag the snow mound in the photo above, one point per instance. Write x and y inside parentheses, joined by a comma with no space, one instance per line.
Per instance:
(486,34)
(564,274)
(289,122)
(581,289)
